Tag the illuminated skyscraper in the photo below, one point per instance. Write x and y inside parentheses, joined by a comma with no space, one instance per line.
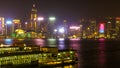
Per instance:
(16,24)
(33,18)
(108,29)
(111,25)
(92,29)
(2,27)
(118,27)
(101,30)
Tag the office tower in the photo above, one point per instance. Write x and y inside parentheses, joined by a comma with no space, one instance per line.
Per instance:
(16,24)
(101,29)
(111,27)
(118,27)
(92,29)
(33,18)
(84,24)
(2,26)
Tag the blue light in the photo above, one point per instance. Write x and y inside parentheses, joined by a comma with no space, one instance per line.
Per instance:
(101,31)
(8,41)
(8,22)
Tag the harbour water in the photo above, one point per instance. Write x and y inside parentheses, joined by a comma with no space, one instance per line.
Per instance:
(99,53)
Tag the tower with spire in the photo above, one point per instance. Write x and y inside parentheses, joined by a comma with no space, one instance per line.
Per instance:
(33,18)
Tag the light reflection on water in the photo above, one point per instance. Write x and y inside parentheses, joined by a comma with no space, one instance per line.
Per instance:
(61,44)
(51,42)
(39,42)
(102,55)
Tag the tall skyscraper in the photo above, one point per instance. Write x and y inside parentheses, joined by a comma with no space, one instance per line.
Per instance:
(33,18)
(118,27)
(111,27)
(101,30)
(16,24)
(2,27)
(92,28)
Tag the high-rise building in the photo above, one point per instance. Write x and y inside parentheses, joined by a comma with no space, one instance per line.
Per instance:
(33,18)
(110,27)
(2,26)
(16,24)
(84,24)
(101,30)
(118,27)
(92,29)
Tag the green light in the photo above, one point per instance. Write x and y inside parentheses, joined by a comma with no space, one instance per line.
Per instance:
(71,52)
(14,35)
(52,18)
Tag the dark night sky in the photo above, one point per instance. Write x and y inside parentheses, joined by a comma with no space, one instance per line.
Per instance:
(62,9)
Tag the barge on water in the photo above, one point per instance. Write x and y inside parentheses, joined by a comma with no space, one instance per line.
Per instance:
(35,56)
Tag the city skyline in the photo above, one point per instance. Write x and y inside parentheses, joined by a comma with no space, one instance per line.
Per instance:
(67,9)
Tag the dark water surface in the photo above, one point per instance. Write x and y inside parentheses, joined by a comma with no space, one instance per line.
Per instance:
(91,53)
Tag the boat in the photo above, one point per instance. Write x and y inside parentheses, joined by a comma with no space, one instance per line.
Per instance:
(38,56)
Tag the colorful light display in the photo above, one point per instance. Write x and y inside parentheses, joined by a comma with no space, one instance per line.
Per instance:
(101,28)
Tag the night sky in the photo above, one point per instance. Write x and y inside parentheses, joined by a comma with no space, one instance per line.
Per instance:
(62,9)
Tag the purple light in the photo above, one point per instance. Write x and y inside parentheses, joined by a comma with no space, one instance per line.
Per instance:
(75,27)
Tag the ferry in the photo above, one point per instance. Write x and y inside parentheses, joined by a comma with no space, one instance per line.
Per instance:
(14,56)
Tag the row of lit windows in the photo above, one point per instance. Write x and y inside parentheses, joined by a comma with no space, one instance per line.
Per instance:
(22,59)
(9,49)
(19,59)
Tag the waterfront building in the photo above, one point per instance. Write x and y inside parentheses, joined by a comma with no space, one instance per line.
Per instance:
(111,27)
(84,22)
(2,26)
(74,32)
(108,29)
(92,29)
(16,24)
(33,18)
(66,27)
(118,27)
(101,30)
